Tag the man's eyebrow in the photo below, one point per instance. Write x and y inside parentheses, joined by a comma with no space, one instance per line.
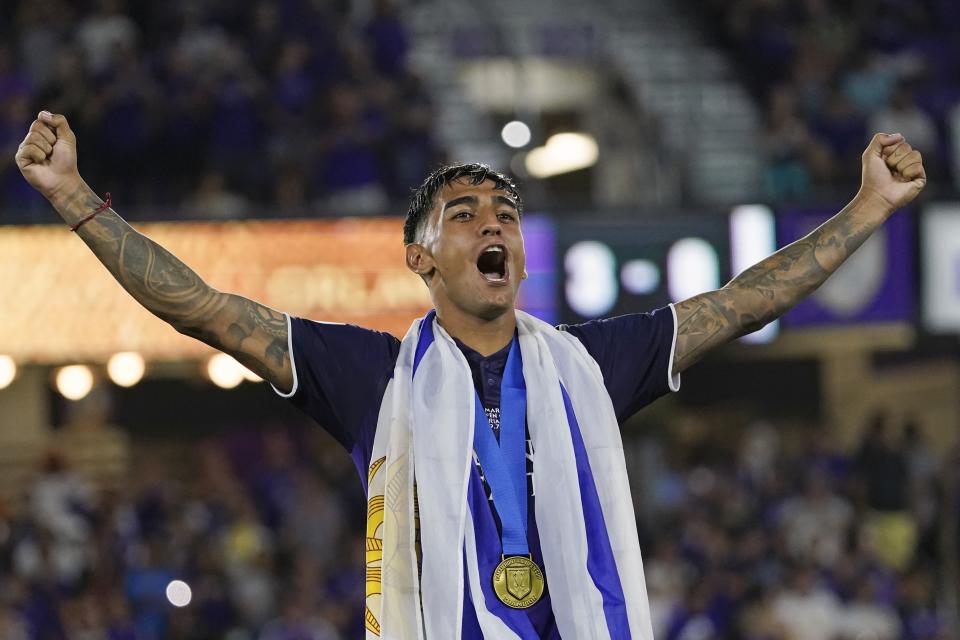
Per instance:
(507,201)
(461,200)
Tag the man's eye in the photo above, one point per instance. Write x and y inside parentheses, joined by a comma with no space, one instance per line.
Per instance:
(508,217)
(463,215)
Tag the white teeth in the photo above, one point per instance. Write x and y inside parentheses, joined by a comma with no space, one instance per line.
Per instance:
(493,249)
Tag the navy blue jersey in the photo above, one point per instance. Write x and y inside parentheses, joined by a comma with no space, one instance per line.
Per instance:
(341,373)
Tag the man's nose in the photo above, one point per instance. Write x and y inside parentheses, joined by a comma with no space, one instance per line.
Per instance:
(491,226)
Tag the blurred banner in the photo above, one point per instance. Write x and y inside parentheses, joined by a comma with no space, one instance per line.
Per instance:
(875,285)
(60,304)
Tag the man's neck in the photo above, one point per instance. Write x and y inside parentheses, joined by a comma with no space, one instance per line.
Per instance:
(486,337)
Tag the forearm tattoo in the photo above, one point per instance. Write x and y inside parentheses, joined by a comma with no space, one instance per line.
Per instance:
(771,287)
(255,334)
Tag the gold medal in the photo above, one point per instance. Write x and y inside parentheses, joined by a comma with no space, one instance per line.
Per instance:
(518,582)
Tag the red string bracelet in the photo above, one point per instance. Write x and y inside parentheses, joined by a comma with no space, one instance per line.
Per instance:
(90,216)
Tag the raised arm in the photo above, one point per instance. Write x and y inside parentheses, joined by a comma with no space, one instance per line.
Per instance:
(252,333)
(892,176)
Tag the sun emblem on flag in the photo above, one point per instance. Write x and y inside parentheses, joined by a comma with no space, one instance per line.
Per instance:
(374,553)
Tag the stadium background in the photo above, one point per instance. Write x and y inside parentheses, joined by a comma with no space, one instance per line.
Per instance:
(803,485)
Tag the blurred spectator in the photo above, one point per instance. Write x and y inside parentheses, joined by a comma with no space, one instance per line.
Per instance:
(349,171)
(917,608)
(14,109)
(691,619)
(926,499)
(815,524)
(145,585)
(213,200)
(668,577)
(12,627)
(106,35)
(953,124)
(843,130)
(786,146)
(42,26)
(866,617)
(387,38)
(904,116)
(62,501)
(889,528)
(808,609)
(296,624)
(869,81)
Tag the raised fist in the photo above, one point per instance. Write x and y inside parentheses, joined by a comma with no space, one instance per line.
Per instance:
(47,157)
(893,170)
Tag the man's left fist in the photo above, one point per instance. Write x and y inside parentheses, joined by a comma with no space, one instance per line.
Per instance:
(892,170)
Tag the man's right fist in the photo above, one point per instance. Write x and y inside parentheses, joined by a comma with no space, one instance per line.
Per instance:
(47,157)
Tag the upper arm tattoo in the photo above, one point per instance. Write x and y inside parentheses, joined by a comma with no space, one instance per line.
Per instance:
(702,322)
(254,334)
(771,287)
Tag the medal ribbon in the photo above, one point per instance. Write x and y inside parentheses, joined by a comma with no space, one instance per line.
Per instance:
(505,464)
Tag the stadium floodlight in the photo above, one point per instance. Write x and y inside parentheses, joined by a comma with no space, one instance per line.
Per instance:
(516,134)
(8,371)
(126,368)
(563,153)
(224,371)
(74,381)
(179,593)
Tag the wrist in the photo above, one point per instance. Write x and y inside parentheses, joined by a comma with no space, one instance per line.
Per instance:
(65,192)
(873,203)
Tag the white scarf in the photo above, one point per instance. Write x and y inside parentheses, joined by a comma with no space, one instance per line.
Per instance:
(426,423)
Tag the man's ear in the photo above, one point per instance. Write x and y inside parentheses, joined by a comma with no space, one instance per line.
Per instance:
(419,260)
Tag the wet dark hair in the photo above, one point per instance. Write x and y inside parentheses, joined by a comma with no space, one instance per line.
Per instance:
(421,202)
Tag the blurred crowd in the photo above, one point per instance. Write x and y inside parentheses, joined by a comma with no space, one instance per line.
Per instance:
(216,109)
(771,535)
(211,108)
(778,534)
(263,527)
(830,74)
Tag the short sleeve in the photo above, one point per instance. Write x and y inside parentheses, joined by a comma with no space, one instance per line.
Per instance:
(340,373)
(635,354)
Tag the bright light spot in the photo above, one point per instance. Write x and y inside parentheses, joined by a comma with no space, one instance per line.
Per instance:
(250,376)
(692,268)
(753,238)
(126,369)
(592,278)
(640,277)
(224,371)
(75,381)
(8,371)
(564,152)
(179,593)
(516,134)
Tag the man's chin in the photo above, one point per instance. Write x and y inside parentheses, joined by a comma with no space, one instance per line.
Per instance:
(491,307)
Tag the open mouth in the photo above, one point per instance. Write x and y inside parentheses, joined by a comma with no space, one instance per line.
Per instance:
(492,263)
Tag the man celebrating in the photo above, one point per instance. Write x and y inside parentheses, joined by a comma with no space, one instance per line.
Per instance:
(487,440)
